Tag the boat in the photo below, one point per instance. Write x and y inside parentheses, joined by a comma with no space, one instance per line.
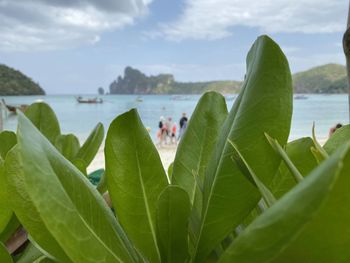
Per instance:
(180,97)
(89,101)
(14,108)
(139,99)
(300,97)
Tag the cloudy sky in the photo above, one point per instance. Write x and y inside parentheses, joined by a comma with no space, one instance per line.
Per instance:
(75,46)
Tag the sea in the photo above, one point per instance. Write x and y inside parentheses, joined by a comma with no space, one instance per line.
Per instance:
(80,119)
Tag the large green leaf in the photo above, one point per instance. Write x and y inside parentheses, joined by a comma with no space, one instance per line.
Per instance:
(8,139)
(5,209)
(89,149)
(197,144)
(68,145)
(4,255)
(44,118)
(24,208)
(264,105)
(337,139)
(172,224)
(135,179)
(291,224)
(299,152)
(70,207)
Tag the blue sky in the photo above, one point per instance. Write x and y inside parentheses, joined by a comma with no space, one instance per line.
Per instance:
(75,46)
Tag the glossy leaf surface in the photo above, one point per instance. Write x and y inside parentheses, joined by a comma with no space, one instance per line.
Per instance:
(25,209)
(8,139)
(89,149)
(135,179)
(299,152)
(4,255)
(71,208)
(68,145)
(44,118)
(264,105)
(173,213)
(198,142)
(279,226)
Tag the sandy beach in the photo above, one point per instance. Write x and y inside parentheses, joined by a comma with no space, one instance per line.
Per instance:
(166,152)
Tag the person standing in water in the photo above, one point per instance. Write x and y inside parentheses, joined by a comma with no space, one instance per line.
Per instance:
(183,125)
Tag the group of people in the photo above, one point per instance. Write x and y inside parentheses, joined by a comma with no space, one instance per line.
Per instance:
(167,132)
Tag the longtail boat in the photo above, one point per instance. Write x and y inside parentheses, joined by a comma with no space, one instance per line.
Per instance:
(89,101)
(13,109)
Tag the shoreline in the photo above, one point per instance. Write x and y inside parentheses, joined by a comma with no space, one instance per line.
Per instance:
(166,152)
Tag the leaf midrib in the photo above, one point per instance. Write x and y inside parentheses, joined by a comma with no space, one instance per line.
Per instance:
(145,201)
(220,162)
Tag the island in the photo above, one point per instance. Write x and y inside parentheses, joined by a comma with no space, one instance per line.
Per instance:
(136,82)
(15,83)
(330,78)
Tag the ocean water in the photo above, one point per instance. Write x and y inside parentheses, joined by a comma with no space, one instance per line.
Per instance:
(80,119)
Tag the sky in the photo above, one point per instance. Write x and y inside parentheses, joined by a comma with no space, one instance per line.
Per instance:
(76,46)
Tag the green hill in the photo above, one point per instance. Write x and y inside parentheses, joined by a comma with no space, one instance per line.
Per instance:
(13,82)
(330,78)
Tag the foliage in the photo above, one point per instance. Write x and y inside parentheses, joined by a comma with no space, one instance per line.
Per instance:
(13,82)
(236,192)
(330,78)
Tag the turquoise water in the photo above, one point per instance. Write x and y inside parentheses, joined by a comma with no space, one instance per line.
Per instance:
(80,119)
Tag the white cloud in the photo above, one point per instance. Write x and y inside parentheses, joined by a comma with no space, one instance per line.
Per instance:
(214,19)
(55,24)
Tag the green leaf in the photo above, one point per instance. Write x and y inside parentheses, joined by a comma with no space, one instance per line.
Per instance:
(89,149)
(326,238)
(30,254)
(339,137)
(25,209)
(289,164)
(299,153)
(318,150)
(70,207)
(81,165)
(5,209)
(5,257)
(7,141)
(135,179)
(248,171)
(287,223)
(172,224)
(68,145)
(10,229)
(264,105)
(44,118)
(198,142)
